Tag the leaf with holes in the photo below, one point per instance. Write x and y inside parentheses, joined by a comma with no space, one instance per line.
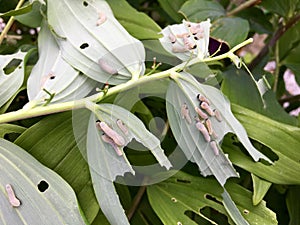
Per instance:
(56,141)
(31,193)
(11,75)
(54,75)
(282,140)
(191,197)
(104,50)
(197,145)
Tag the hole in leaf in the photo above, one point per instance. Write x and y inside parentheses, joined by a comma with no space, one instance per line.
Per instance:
(84,45)
(43,186)
(11,66)
(85,4)
(183,181)
(212,198)
(214,215)
(246,212)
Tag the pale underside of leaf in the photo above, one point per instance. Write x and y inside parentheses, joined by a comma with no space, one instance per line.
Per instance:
(56,205)
(54,74)
(192,87)
(10,83)
(137,130)
(173,31)
(195,147)
(107,41)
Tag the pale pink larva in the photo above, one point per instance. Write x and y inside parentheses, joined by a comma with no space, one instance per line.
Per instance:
(101,18)
(106,67)
(202,98)
(209,126)
(110,141)
(172,38)
(202,114)
(214,146)
(200,126)
(122,126)
(179,48)
(218,115)
(117,138)
(11,196)
(206,107)
(185,114)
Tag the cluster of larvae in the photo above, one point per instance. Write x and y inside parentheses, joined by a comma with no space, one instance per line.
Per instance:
(195,32)
(203,122)
(111,137)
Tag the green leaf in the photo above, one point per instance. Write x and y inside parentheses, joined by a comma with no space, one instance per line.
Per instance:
(53,74)
(53,142)
(45,197)
(16,12)
(232,30)
(260,189)
(34,17)
(138,24)
(191,141)
(171,7)
(105,51)
(10,128)
(108,198)
(258,20)
(11,75)
(241,89)
(183,192)
(283,8)
(282,139)
(293,204)
(199,10)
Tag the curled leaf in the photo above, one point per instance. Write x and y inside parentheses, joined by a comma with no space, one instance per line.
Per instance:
(102,40)
(187,40)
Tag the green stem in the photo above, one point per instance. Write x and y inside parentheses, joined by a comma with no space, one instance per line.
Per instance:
(77,104)
(10,22)
(277,68)
(242,7)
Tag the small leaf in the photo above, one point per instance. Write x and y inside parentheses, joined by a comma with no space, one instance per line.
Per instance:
(11,75)
(174,197)
(44,195)
(34,17)
(187,40)
(260,189)
(138,24)
(54,75)
(171,7)
(104,51)
(232,30)
(199,10)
